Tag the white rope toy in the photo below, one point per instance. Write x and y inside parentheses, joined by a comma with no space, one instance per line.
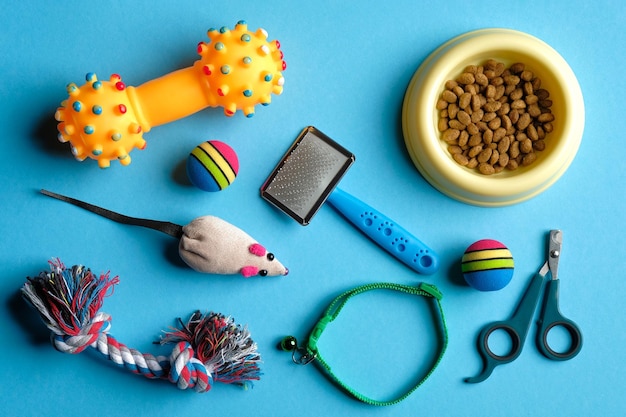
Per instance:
(208,348)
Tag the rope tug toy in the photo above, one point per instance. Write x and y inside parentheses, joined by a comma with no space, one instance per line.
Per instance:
(208,348)
(237,69)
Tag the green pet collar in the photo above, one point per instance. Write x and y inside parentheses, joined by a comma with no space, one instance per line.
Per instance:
(308,353)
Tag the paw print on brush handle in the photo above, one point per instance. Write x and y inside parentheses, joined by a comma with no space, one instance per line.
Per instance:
(386,233)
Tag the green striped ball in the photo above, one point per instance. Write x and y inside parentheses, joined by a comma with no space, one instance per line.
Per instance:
(212,166)
(487,265)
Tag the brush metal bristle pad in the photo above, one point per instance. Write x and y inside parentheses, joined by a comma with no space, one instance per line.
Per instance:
(307,174)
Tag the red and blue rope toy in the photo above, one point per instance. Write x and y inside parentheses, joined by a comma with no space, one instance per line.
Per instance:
(208,348)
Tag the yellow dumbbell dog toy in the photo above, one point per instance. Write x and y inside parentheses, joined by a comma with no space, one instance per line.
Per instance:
(105,120)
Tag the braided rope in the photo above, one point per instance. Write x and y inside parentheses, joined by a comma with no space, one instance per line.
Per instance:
(187,371)
(181,367)
(144,364)
(85,337)
(68,301)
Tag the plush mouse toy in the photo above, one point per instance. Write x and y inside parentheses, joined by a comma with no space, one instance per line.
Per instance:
(207,244)
(210,244)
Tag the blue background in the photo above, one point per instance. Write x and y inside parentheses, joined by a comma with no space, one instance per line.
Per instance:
(348,68)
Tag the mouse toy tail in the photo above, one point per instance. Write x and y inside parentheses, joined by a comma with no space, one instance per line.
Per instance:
(171,229)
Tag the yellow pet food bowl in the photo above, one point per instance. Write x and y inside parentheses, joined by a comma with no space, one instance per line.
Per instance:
(429,152)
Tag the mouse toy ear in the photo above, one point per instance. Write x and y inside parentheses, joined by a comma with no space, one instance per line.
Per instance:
(249,271)
(257,249)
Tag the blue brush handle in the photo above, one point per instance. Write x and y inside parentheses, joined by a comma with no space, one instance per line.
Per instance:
(387,233)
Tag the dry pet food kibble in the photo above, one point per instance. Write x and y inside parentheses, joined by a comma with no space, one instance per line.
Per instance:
(493,117)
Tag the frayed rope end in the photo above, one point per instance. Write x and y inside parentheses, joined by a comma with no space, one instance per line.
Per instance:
(224,347)
(69,299)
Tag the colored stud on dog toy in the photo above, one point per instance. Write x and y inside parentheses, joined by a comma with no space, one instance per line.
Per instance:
(212,166)
(207,244)
(105,120)
(487,265)
(208,348)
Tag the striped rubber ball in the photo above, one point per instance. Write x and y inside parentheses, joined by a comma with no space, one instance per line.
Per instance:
(487,265)
(212,166)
